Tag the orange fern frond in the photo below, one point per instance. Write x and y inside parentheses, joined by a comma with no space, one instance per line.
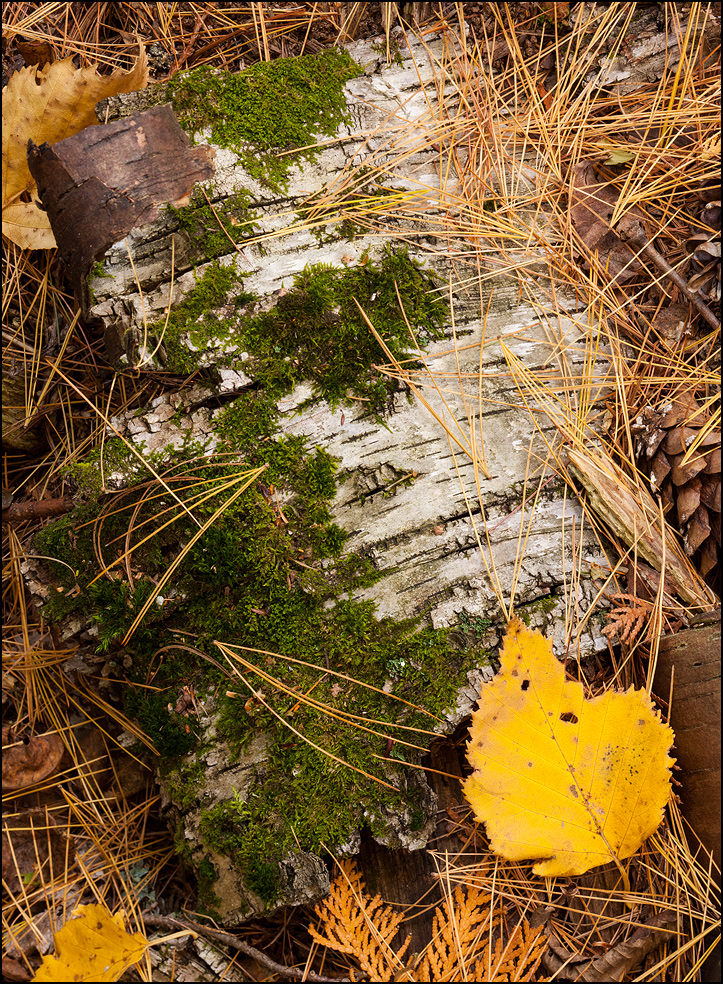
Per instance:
(461,948)
(362,927)
(516,960)
(627,621)
(457,928)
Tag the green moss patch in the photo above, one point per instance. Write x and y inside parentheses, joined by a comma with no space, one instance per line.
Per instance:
(195,318)
(315,331)
(547,604)
(211,230)
(269,574)
(267,108)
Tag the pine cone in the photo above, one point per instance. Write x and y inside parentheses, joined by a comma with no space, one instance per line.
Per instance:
(689,482)
(703,247)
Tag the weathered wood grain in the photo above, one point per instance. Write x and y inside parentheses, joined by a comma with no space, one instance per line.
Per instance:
(394,521)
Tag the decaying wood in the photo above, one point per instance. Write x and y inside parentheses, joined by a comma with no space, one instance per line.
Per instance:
(408,497)
(18,512)
(633,517)
(98,184)
(689,663)
(409,879)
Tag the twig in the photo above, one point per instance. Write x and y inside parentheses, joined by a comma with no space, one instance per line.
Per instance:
(17,512)
(228,939)
(631,231)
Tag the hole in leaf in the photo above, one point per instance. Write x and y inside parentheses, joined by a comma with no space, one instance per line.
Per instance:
(569,716)
(525,684)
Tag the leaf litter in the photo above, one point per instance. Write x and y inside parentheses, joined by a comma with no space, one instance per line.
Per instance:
(47,105)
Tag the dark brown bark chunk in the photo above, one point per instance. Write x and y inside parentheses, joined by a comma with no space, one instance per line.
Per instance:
(100,183)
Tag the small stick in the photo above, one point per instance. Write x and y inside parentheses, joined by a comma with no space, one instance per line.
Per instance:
(17,512)
(168,922)
(632,232)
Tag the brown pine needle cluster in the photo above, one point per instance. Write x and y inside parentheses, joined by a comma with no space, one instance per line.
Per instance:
(467,942)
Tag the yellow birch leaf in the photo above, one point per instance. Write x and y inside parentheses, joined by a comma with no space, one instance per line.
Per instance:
(48,105)
(567,782)
(93,945)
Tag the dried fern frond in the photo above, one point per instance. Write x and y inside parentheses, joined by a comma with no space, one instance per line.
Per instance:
(362,927)
(517,960)
(458,925)
(466,945)
(626,622)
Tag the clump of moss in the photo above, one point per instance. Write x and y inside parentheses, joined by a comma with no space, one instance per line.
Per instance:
(225,828)
(317,332)
(194,319)
(547,604)
(269,107)
(208,902)
(184,784)
(87,476)
(269,574)
(212,231)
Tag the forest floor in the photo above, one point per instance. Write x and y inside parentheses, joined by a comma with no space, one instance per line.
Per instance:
(82,818)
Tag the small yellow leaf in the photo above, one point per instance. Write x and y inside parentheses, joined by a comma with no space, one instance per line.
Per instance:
(92,946)
(48,105)
(27,226)
(567,782)
(615,154)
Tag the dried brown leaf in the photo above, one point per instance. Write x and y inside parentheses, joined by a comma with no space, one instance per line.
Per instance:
(593,204)
(26,763)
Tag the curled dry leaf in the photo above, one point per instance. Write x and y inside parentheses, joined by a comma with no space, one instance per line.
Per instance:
(593,203)
(568,782)
(13,970)
(25,764)
(38,53)
(620,960)
(48,105)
